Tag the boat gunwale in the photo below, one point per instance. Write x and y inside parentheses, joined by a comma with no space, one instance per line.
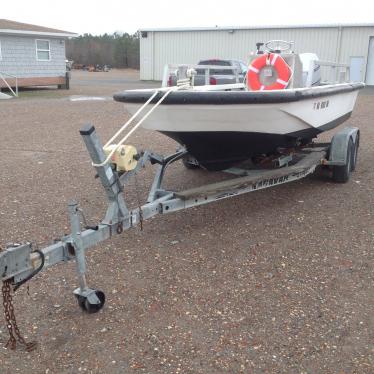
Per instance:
(196,97)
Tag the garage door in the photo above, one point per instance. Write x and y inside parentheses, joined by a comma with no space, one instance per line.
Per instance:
(370,65)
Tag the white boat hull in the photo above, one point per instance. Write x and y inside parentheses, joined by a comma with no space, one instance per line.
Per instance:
(281,119)
(223,128)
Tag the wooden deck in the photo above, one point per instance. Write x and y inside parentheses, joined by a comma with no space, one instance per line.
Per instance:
(34,81)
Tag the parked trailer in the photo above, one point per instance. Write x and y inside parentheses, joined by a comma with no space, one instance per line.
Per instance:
(19,262)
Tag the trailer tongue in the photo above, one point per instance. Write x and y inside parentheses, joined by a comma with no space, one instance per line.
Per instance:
(20,262)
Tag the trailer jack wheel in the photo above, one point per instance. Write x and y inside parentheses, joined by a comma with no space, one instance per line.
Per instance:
(87,306)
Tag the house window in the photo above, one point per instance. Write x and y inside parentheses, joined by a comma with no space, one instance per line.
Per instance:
(43,52)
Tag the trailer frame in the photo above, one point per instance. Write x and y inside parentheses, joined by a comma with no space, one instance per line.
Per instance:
(19,262)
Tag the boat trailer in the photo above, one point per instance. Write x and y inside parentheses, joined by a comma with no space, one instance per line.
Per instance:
(20,262)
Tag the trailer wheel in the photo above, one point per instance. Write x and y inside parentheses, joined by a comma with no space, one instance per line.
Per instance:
(81,301)
(341,173)
(94,308)
(89,308)
(355,152)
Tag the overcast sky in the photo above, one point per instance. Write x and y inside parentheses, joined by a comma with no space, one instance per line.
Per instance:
(98,17)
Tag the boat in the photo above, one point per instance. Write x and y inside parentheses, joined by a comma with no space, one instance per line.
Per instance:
(282,104)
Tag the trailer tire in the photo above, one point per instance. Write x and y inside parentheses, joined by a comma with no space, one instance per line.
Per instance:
(341,173)
(355,152)
(89,308)
(307,141)
(94,308)
(81,300)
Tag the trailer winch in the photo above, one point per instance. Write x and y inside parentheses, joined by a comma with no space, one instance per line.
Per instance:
(124,157)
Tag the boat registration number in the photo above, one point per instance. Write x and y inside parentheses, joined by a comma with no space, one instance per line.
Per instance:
(321,104)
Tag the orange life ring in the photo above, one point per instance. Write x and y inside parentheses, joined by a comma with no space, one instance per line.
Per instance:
(270,59)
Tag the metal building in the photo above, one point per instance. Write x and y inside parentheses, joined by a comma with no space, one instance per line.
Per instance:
(348,43)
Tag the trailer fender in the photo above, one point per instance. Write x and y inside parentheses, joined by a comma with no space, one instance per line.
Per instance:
(339,145)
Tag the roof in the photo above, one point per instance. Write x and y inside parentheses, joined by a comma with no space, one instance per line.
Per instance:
(257,27)
(16,28)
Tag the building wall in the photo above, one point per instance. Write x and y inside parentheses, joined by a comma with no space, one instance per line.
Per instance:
(19,57)
(177,47)
(147,57)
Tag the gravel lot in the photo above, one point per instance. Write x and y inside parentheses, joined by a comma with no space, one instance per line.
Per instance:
(277,281)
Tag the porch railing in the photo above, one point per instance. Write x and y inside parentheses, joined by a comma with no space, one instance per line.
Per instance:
(15,79)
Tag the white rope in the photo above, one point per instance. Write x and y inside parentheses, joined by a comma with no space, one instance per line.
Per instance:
(131,119)
(183,84)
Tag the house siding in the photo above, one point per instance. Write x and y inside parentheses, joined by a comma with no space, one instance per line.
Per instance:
(19,57)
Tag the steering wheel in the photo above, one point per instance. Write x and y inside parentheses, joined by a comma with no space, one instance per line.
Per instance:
(278,46)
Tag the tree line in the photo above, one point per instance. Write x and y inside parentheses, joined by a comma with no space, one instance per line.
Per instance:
(116,50)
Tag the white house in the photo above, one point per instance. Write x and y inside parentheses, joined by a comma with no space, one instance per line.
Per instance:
(35,55)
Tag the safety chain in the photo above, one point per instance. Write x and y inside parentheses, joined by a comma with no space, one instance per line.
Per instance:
(11,323)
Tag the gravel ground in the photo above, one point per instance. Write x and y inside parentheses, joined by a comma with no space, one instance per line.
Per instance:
(277,281)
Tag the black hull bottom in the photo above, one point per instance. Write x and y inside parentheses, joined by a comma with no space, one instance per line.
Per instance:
(221,150)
